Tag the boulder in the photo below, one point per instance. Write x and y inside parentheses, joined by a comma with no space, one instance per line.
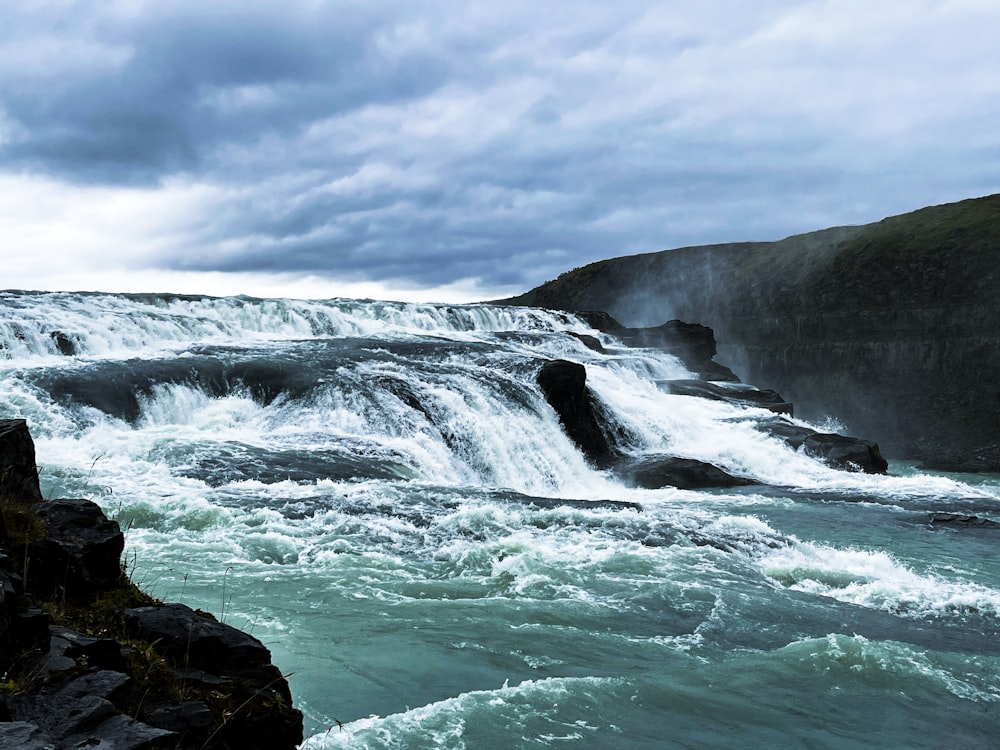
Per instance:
(64,343)
(655,472)
(739,394)
(18,473)
(839,451)
(196,640)
(80,556)
(591,342)
(564,384)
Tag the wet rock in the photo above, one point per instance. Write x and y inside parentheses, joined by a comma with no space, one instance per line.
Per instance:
(962,520)
(564,384)
(692,343)
(591,342)
(739,394)
(839,451)
(547,503)
(684,473)
(83,722)
(18,473)
(196,639)
(81,555)
(64,343)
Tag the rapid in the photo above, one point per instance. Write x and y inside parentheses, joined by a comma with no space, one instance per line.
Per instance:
(381,493)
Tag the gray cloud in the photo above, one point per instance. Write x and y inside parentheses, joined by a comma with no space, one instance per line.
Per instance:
(426,142)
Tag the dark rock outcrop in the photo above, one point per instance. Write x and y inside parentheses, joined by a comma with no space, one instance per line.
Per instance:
(82,721)
(655,472)
(692,343)
(64,344)
(739,394)
(199,641)
(218,655)
(962,520)
(564,384)
(889,327)
(80,555)
(18,473)
(839,451)
(103,664)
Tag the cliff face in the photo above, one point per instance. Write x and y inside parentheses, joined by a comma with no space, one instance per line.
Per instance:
(889,327)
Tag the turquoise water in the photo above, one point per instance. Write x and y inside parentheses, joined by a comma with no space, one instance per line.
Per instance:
(381,495)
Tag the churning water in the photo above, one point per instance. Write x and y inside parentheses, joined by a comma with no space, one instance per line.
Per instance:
(381,494)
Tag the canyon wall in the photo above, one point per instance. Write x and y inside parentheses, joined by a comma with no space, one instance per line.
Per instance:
(889,328)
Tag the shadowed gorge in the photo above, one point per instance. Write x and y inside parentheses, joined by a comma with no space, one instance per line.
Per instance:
(888,327)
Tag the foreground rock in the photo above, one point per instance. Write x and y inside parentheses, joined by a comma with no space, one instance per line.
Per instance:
(18,473)
(92,662)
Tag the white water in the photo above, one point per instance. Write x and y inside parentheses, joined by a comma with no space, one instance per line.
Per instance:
(430,603)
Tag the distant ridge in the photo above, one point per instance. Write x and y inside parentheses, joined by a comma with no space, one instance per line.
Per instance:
(890,327)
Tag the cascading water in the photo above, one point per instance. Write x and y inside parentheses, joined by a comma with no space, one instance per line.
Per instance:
(381,494)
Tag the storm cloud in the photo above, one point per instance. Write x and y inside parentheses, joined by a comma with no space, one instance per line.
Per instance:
(418,146)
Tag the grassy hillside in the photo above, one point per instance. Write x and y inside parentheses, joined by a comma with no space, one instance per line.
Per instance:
(935,256)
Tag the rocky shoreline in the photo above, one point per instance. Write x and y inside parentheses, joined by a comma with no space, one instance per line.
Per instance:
(89,660)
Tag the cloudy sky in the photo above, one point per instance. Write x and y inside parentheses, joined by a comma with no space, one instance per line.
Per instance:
(450,150)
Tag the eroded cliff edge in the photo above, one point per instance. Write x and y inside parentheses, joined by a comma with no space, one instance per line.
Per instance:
(889,327)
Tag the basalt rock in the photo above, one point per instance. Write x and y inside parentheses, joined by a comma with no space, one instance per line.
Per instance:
(591,342)
(81,554)
(81,721)
(199,641)
(18,473)
(564,384)
(738,394)
(684,473)
(64,344)
(839,451)
(119,690)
